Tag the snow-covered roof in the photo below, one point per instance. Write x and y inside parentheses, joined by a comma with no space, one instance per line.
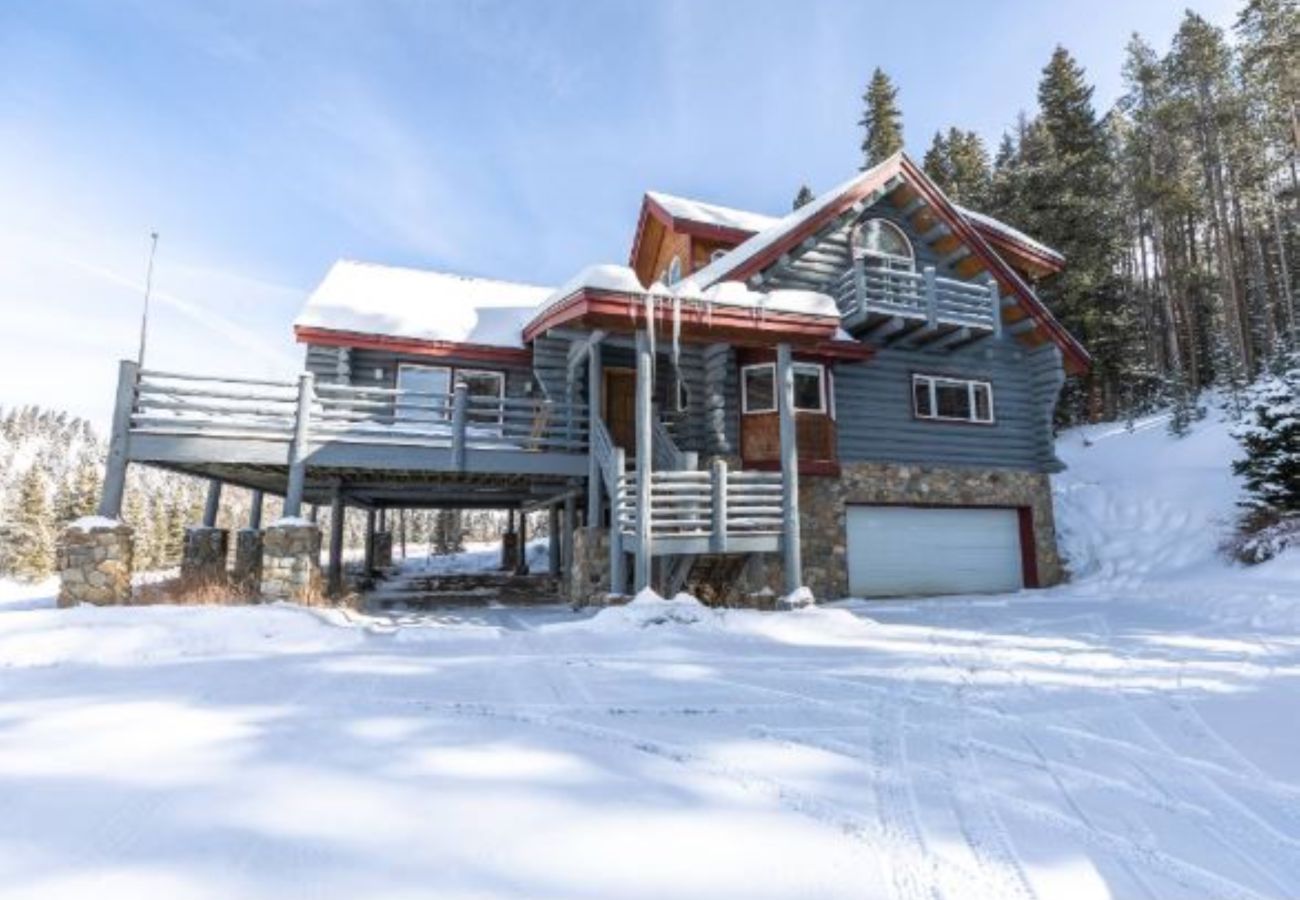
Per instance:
(711,213)
(622,280)
(1014,234)
(421,304)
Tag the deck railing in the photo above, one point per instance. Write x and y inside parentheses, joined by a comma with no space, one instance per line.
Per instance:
(170,403)
(863,290)
(715,504)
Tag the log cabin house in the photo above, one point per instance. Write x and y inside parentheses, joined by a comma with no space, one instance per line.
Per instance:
(856,397)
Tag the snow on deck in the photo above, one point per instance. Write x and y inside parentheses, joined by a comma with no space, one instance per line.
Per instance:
(421,304)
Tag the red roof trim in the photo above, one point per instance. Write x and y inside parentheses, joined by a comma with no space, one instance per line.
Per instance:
(1053,262)
(485,353)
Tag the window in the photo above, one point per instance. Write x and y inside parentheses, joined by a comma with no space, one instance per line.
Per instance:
(674,272)
(758,388)
(881,244)
(422,380)
(483,386)
(681,396)
(717,255)
(952,399)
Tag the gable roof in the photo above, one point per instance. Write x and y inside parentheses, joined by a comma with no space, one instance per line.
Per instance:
(767,246)
(421,305)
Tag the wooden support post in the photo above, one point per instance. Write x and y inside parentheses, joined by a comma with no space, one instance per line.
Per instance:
(594,402)
(553,524)
(617,559)
(460,399)
(298,446)
(119,442)
(718,531)
(336,543)
(383,519)
(521,568)
(255,511)
(213,504)
(566,532)
(313,514)
(931,296)
(370,541)
(792,557)
(644,435)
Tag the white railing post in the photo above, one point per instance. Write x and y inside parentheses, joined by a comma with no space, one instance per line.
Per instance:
(110,500)
(459,399)
(931,296)
(594,386)
(617,561)
(792,555)
(995,306)
(644,451)
(860,285)
(718,531)
(298,446)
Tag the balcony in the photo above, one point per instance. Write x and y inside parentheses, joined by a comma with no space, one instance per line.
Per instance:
(919,309)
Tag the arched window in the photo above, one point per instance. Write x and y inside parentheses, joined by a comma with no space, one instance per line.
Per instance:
(881,244)
(674,271)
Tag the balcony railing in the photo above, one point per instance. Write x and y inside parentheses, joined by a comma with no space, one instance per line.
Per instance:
(863,291)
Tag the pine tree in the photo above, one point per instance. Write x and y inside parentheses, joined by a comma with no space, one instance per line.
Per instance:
(1270,438)
(936,163)
(881,119)
(32,554)
(803,197)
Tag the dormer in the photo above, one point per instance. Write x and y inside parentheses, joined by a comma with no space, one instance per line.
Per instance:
(676,236)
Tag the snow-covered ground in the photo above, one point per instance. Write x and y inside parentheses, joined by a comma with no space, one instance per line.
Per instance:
(1129,735)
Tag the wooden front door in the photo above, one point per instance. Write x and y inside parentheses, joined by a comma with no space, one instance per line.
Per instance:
(620,408)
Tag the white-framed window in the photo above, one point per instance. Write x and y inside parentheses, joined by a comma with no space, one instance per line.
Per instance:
(947,399)
(674,273)
(417,380)
(482,384)
(758,388)
(881,244)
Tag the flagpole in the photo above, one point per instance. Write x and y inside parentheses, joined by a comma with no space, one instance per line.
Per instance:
(148,288)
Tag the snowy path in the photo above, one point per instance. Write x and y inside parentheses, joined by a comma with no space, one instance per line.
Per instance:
(1048,746)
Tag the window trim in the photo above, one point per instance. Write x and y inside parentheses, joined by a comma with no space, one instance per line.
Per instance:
(454,374)
(860,252)
(823,408)
(932,380)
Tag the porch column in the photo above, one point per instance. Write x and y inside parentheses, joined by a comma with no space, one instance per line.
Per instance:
(370,541)
(110,499)
(792,557)
(521,567)
(566,532)
(255,511)
(213,504)
(644,428)
(595,395)
(335,584)
(298,447)
(553,522)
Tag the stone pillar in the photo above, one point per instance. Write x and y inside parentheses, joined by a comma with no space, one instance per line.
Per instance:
(383,549)
(291,563)
(587,579)
(247,575)
(203,559)
(94,561)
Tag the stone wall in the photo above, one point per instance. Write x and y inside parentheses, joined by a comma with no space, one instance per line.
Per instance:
(822,503)
(291,563)
(94,563)
(587,581)
(203,555)
(247,573)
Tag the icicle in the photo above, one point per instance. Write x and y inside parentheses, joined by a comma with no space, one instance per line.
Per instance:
(677,330)
(650,320)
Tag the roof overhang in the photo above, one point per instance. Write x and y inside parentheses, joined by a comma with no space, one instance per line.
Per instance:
(900,166)
(1032,259)
(481,353)
(701,322)
(652,209)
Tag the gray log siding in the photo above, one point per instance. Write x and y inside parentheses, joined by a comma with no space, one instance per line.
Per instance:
(876,422)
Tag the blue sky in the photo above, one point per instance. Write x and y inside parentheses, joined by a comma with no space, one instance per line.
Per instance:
(266,139)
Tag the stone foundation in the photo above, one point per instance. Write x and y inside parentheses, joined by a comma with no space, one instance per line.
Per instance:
(247,573)
(510,551)
(94,564)
(822,503)
(383,549)
(203,556)
(587,581)
(291,563)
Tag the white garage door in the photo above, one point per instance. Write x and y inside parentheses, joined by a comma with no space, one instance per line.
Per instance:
(901,550)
